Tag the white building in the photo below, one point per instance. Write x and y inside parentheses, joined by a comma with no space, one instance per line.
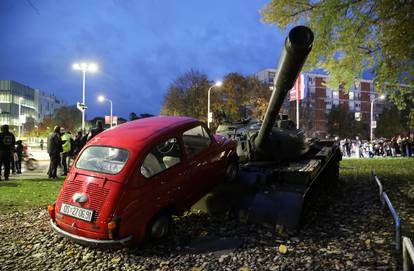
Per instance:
(32,103)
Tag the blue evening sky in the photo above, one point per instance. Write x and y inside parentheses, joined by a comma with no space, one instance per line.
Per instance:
(141,46)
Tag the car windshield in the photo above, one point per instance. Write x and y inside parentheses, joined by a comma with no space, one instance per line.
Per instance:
(103,159)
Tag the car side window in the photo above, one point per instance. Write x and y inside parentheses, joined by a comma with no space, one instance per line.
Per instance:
(195,140)
(161,157)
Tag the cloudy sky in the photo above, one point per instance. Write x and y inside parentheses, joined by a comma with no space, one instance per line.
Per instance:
(141,46)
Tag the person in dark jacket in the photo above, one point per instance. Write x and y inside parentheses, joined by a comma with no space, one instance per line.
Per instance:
(7,142)
(79,143)
(54,148)
(98,129)
(19,152)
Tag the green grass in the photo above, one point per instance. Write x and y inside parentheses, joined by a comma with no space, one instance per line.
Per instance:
(397,178)
(17,195)
(385,167)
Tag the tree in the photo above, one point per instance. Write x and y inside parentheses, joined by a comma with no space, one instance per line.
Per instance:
(389,123)
(342,123)
(258,97)
(187,96)
(46,126)
(68,117)
(352,36)
(239,97)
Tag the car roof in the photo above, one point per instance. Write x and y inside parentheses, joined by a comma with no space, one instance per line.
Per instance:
(127,135)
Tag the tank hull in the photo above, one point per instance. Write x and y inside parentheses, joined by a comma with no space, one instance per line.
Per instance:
(276,194)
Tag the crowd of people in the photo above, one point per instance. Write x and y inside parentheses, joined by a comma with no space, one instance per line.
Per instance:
(396,146)
(62,148)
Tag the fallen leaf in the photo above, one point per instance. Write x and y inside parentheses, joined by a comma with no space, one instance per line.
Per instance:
(116,260)
(283,249)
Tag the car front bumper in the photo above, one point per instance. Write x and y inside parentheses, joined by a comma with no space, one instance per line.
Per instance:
(89,241)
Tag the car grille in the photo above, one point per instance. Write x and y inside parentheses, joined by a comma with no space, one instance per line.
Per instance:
(97,195)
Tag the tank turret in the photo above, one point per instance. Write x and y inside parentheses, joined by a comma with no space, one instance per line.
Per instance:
(297,46)
(279,168)
(273,139)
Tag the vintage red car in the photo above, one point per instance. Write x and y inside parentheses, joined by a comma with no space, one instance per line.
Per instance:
(127,182)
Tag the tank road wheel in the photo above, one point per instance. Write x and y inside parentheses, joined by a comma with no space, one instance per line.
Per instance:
(160,226)
(232,171)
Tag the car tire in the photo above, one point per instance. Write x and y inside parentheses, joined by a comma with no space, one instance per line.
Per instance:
(160,226)
(232,171)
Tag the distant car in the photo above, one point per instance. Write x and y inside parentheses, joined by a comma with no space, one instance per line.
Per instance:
(127,182)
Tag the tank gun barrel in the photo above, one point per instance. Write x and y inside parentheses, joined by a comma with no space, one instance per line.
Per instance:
(298,44)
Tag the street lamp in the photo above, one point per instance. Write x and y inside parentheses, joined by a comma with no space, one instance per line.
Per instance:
(20,115)
(209,115)
(382,97)
(84,67)
(101,99)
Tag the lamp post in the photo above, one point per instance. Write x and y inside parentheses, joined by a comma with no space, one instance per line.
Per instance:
(84,67)
(209,115)
(101,99)
(382,97)
(20,114)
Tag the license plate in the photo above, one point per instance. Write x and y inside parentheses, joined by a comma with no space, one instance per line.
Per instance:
(76,212)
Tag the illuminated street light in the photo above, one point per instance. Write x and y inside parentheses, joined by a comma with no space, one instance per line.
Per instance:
(84,67)
(101,99)
(382,97)
(209,115)
(20,115)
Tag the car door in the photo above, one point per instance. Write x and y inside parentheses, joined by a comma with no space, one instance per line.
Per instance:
(201,159)
(156,181)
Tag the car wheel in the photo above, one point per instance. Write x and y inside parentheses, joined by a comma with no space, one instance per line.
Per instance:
(232,171)
(160,226)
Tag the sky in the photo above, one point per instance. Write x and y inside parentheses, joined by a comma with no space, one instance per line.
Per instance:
(141,46)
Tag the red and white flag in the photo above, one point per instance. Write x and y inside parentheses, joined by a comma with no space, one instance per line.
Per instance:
(300,87)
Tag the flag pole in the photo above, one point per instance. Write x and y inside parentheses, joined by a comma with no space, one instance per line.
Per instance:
(297,87)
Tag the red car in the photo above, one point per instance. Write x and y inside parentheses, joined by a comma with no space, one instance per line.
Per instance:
(128,181)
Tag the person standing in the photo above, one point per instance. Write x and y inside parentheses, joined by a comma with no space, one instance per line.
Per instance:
(408,146)
(98,129)
(394,146)
(41,144)
(66,148)
(357,148)
(19,154)
(54,148)
(79,143)
(348,147)
(7,142)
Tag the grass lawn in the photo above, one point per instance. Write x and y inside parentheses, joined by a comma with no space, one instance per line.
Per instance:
(397,178)
(396,175)
(17,195)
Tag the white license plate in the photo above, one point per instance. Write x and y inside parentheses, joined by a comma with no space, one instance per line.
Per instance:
(77,212)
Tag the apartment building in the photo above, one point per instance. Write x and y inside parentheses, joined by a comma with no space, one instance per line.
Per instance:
(317,100)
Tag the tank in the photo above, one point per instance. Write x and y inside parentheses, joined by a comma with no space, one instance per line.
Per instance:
(279,168)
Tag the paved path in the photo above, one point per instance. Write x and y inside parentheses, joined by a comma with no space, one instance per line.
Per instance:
(39,173)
